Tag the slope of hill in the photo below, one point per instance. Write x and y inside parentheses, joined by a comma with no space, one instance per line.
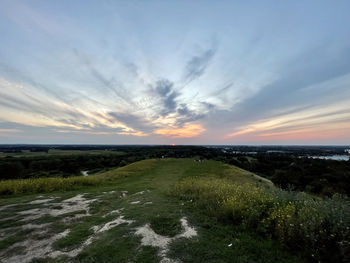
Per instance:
(168,210)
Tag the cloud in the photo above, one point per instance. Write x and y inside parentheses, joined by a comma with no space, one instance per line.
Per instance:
(186,115)
(197,65)
(172,109)
(107,83)
(27,105)
(68,81)
(164,90)
(307,123)
(52,134)
(5,132)
(316,79)
(133,133)
(31,19)
(187,131)
(133,121)
(222,90)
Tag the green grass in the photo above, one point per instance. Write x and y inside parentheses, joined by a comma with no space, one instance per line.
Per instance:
(12,239)
(166,180)
(166,225)
(44,185)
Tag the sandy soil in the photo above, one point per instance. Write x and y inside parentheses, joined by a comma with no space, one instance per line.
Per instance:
(151,238)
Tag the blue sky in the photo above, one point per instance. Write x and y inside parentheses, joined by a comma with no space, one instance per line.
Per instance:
(184,72)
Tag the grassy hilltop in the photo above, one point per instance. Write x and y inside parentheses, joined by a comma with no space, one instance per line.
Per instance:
(168,210)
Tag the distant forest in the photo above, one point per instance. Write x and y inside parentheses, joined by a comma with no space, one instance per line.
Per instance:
(287,167)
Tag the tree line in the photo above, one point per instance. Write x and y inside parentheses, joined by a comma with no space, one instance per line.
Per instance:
(289,170)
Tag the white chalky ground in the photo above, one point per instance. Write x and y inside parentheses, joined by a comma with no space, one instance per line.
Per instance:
(40,248)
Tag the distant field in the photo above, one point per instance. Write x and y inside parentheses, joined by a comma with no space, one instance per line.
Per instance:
(165,210)
(24,153)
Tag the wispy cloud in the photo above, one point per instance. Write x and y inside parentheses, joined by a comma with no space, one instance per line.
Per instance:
(167,95)
(7,131)
(197,64)
(187,131)
(133,121)
(312,122)
(109,84)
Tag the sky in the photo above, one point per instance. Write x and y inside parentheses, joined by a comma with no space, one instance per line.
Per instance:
(175,72)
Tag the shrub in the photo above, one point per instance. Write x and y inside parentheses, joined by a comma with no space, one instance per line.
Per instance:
(312,226)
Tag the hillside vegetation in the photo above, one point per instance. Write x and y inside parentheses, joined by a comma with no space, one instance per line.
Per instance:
(288,167)
(45,185)
(194,211)
(308,225)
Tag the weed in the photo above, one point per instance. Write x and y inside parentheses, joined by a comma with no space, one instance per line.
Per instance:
(301,222)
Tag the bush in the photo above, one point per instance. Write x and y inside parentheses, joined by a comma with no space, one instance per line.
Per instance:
(312,226)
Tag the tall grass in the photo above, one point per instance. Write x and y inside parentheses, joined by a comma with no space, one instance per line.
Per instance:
(317,228)
(41,185)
